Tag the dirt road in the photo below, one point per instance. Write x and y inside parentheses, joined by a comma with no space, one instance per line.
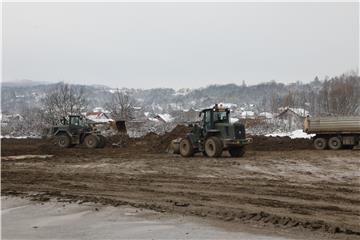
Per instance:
(300,192)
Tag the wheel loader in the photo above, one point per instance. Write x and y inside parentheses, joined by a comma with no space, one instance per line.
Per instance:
(213,135)
(75,130)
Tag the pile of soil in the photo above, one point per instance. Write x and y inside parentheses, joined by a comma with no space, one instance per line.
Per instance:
(263,143)
(159,143)
(150,143)
(155,143)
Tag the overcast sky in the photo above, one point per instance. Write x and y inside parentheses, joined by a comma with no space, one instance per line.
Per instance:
(146,45)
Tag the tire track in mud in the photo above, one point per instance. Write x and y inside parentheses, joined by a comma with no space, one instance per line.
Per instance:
(266,188)
(185,196)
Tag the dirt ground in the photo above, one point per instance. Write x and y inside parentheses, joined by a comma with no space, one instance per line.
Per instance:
(280,184)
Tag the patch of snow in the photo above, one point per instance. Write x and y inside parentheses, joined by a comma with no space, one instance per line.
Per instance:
(166,117)
(100,109)
(229,105)
(246,114)
(19,137)
(100,120)
(294,134)
(233,120)
(266,115)
(153,119)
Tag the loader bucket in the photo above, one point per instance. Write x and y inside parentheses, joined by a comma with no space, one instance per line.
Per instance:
(120,126)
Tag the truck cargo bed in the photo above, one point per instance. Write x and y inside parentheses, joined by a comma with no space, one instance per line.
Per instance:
(327,125)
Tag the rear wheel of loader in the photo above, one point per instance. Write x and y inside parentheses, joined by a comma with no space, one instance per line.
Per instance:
(186,148)
(91,141)
(320,143)
(213,147)
(102,141)
(63,140)
(236,152)
(335,143)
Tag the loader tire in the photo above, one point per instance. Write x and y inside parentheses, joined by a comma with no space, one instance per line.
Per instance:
(91,141)
(63,140)
(213,147)
(335,143)
(102,141)
(320,143)
(236,152)
(186,148)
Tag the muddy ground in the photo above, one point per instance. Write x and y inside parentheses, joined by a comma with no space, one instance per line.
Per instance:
(280,184)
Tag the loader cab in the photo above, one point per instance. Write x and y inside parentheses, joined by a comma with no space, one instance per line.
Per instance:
(75,120)
(211,116)
(77,124)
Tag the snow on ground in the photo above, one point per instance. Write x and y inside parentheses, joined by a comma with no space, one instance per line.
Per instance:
(294,134)
(153,119)
(19,137)
(247,114)
(230,105)
(266,115)
(100,120)
(166,117)
(300,111)
(233,120)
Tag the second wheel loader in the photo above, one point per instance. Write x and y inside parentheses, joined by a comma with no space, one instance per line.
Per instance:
(75,130)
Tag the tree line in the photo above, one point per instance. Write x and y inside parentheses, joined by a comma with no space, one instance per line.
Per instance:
(338,96)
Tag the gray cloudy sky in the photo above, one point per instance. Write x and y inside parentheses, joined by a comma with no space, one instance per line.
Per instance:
(178,45)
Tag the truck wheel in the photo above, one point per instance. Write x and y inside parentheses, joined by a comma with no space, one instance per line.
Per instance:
(102,141)
(213,147)
(236,152)
(91,141)
(186,148)
(335,143)
(320,143)
(63,140)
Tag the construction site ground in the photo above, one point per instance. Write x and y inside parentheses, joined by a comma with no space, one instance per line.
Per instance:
(280,185)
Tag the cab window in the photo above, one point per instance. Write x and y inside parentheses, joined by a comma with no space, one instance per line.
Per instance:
(74,121)
(220,116)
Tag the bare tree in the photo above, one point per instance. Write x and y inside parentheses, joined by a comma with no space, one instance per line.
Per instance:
(63,100)
(288,100)
(344,95)
(121,106)
(274,103)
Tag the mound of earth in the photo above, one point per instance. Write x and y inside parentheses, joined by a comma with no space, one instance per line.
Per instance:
(263,143)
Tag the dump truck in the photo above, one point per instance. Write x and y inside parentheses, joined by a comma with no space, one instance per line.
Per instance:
(213,135)
(334,132)
(75,130)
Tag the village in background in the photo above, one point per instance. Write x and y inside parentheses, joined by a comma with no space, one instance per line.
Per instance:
(268,108)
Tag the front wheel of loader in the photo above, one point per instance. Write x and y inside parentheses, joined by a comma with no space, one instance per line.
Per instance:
(91,141)
(186,148)
(213,147)
(236,152)
(63,140)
